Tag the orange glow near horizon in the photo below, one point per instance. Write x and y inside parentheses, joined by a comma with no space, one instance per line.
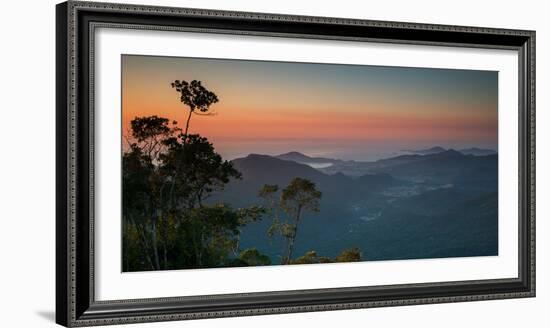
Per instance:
(305,104)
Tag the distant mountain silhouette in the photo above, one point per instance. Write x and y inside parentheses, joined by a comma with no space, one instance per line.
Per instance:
(301,158)
(264,169)
(410,206)
(444,167)
(397,166)
(404,159)
(258,170)
(339,193)
(477,151)
(467,151)
(433,150)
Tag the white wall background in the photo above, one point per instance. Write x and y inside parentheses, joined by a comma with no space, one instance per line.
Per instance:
(27,162)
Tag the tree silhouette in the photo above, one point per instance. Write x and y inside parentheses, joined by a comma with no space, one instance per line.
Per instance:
(148,133)
(268,193)
(196,97)
(137,195)
(298,197)
(194,170)
(167,176)
(142,184)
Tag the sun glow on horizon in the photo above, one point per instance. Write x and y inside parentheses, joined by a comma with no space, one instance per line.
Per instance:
(319,108)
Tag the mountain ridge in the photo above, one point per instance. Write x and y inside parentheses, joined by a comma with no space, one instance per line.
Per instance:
(476,151)
(402,165)
(302,158)
(437,205)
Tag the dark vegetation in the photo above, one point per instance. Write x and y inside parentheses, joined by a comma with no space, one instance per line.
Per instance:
(169,220)
(184,206)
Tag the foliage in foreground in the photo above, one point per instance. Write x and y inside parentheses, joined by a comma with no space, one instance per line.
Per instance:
(311,257)
(168,175)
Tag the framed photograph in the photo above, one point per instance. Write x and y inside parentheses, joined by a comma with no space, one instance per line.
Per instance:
(214,163)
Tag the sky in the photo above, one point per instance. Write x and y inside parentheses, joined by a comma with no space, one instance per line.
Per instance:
(340,111)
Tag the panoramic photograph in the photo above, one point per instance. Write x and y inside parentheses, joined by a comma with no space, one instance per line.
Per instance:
(236,163)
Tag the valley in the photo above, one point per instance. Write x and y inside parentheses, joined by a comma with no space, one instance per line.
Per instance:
(441,204)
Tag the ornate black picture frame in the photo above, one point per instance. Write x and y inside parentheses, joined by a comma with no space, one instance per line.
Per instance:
(75,301)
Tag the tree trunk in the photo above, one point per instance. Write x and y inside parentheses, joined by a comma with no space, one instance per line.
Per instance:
(155,241)
(125,243)
(165,242)
(291,241)
(164,227)
(187,124)
(143,241)
(196,247)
